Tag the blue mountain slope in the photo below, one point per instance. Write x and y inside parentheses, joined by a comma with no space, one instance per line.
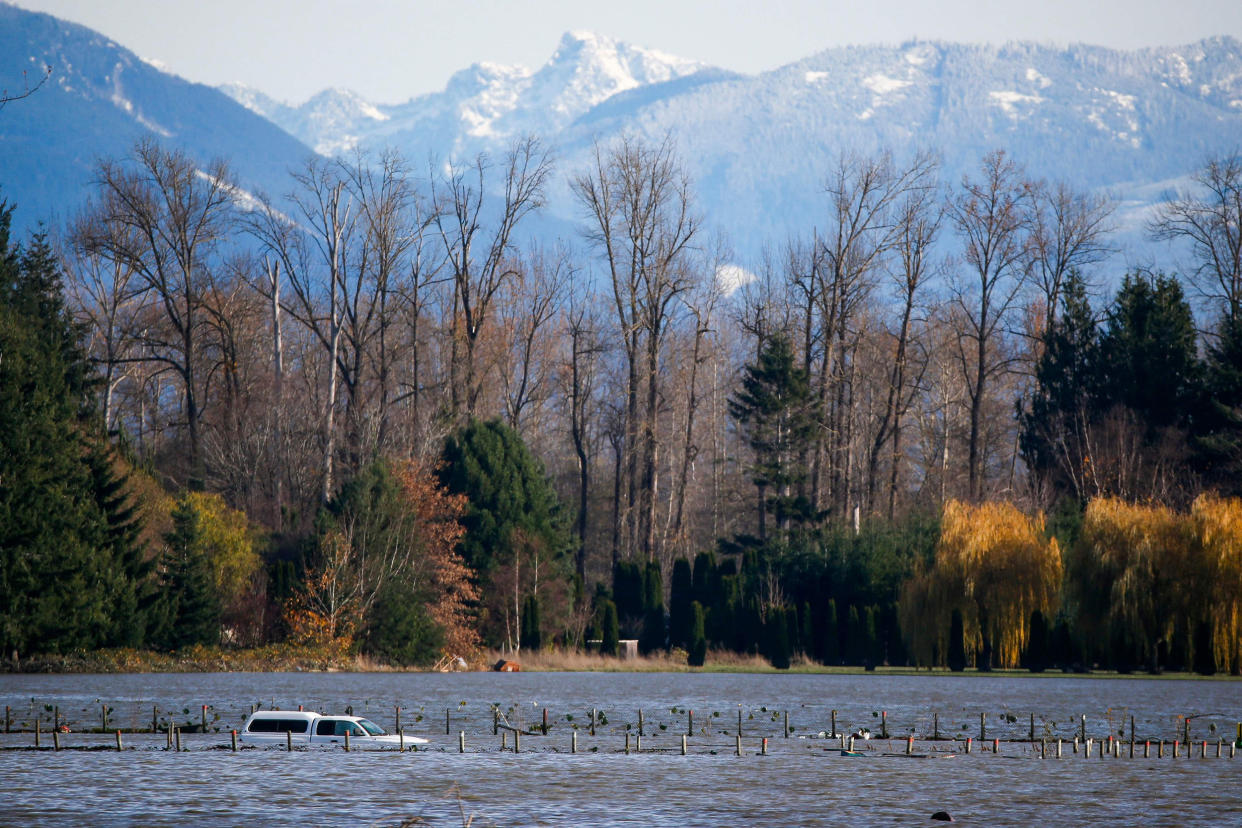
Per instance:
(100,99)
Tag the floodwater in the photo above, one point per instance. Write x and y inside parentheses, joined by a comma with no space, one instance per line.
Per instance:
(803,780)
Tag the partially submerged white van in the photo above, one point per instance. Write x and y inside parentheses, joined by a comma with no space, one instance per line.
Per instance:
(279,727)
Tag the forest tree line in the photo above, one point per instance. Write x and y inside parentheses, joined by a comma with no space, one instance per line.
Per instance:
(370,415)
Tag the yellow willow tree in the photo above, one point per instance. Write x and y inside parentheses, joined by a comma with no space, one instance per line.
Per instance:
(995,566)
(1217,526)
(1134,573)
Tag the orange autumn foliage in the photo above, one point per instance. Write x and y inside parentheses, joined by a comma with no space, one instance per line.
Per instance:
(418,549)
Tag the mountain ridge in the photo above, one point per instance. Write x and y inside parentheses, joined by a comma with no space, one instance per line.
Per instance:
(758,147)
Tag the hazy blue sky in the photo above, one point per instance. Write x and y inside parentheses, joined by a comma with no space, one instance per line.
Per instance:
(390,50)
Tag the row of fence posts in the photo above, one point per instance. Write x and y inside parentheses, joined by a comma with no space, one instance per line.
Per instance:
(1113,744)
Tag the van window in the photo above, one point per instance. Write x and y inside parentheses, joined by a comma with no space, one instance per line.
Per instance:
(278,726)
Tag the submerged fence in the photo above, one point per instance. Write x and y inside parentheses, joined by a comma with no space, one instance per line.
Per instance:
(518,727)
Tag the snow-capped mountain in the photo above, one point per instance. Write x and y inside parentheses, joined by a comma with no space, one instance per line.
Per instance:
(99,100)
(759,147)
(487,101)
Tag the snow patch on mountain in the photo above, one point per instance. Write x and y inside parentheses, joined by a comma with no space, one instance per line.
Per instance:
(883,84)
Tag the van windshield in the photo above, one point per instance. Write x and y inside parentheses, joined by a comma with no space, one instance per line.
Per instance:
(371,727)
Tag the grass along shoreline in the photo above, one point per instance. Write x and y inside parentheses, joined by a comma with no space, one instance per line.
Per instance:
(280,658)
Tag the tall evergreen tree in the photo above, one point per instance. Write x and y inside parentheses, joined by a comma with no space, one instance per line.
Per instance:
(507,490)
(192,607)
(68,559)
(1150,349)
(653,635)
(777,410)
(1219,431)
(681,596)
(698,636)
(1056,419)
(532,625)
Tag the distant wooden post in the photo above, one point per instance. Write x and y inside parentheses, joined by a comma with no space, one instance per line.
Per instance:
(495,720)
(447,723)
(461,741)
(1058,748)
(118,740)
(592,721)
(968,744)
(55,740)
(8,719)
(401,741)
(982,729)
(347,741)
(690,724)
(834,723)
(639,741)
(786,724)
(155,719)
(1083,726)
(640,723)
(738,748)
(739,721)
(1043,748)
(683,745)
(1177,747)
(909,745)
(573,742)
(627,743)
(235,741)
(1132,729)
(764,750)
(288,741)
(883,724)
(936,726)
(56,717)
(504,741)
(545,721)
(995,746)
(37,731)
(204,730)
(397,727)
(1031,735)
(517,741)
(103,715)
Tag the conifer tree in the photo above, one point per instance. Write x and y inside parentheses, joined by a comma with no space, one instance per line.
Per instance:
(609,638)
(681,596)
(532,632)
(777,410)
(698,636)
(68,560)
(192,607)
(653,635)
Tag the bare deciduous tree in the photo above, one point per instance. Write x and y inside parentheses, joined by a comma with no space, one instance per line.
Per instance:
(164,219)
(992,217)
(479,249)
(1210,219)
(642,221)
